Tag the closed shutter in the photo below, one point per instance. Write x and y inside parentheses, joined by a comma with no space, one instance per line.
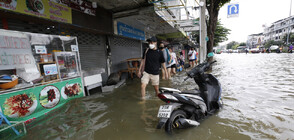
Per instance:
(1,24)
(122,49)
(23,26)
(92,52)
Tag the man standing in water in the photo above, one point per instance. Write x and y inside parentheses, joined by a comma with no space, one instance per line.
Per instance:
(153,60)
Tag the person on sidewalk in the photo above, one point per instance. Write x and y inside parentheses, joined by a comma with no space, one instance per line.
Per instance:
(153,60)
(182,59)
(290,48)
(196,56)
(165,52)
(172,70)
(192,56)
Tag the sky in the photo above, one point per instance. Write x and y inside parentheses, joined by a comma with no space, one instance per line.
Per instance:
(252,15)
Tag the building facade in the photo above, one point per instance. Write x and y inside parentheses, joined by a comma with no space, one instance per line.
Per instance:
(279,29)
(255,40)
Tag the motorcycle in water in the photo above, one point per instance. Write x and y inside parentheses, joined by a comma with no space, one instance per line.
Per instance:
(184,109)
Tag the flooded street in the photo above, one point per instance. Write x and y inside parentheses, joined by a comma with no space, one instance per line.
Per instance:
(258,96)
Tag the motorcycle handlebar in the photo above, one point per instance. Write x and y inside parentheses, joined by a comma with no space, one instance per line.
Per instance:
(213,62)
(186,78)
(200,68)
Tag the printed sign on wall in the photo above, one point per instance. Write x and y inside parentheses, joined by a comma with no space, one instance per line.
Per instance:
(41,8)
(129,31)
(15,50)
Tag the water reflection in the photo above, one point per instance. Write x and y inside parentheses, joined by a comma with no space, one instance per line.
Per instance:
(258,98)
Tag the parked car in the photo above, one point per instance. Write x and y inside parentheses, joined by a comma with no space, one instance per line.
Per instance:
(235,51)
(274,47)
(254,50)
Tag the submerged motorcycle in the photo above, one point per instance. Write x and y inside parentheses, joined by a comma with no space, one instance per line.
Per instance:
(184,109)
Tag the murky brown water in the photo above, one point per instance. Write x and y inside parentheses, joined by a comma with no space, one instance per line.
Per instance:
(258,96)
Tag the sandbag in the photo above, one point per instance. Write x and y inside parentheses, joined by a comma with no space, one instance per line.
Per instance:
(113,79)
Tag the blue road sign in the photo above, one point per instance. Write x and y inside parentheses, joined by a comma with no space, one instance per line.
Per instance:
(233,10)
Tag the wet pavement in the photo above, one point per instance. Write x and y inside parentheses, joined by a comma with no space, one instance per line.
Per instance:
(258,96)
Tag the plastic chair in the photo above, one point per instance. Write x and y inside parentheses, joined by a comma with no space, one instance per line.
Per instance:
(2,117)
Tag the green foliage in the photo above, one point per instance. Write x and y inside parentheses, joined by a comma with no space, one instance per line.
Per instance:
(232,45)
(272,42)
(221,33)
(242,44)
(235,46)
(291,38)
(220,3)
(195,36)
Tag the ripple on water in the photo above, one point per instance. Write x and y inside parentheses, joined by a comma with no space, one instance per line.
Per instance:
(257,95)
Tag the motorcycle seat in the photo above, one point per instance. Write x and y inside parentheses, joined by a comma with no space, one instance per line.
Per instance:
(194,92)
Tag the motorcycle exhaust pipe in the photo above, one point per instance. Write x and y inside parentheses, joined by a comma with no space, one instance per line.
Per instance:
(185,123)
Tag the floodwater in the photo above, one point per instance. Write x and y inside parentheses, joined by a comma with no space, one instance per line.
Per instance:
(258,96)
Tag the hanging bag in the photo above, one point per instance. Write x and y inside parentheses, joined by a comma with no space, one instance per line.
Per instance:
(169,59)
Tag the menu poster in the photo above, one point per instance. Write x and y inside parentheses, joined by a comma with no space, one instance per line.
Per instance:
(41,49)
(74,48)
(40,8)
(50,69)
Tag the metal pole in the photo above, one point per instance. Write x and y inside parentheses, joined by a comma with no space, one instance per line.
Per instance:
(289,28)
(202,35)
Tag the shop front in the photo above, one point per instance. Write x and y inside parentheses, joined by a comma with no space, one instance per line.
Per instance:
(89,23)
(38,74)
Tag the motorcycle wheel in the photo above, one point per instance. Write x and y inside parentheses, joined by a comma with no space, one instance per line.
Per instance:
(172,122)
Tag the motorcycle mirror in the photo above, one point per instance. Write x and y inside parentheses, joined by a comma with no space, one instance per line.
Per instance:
(211,54)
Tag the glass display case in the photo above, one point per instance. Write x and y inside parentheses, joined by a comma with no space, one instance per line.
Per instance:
(38,74)
(67,64)
(37,59)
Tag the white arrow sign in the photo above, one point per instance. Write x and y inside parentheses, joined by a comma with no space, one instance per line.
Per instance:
(233,10)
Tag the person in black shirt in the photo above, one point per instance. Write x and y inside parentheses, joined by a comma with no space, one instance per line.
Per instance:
(154,58)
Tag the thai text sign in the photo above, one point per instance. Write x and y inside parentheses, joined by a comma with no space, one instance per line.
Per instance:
(15,50)
(40,8)
(79,5)
(128,31)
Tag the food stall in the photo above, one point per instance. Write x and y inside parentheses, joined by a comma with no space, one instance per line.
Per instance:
(38,73)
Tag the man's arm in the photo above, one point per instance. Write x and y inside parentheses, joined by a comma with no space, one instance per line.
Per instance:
(140,68)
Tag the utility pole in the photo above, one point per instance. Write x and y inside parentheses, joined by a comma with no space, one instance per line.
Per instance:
(289,27)
(202,35)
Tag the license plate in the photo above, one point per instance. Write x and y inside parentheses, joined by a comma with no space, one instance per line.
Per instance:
(164,111)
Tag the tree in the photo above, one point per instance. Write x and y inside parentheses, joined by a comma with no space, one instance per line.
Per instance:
(291,38)
(235,46)
(242,44)
(232,44)
(221,33)
(213,7)
(272,42)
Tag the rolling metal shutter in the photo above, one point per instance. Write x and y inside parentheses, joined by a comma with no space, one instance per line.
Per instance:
(92,52)
(92,47)
(122,49)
